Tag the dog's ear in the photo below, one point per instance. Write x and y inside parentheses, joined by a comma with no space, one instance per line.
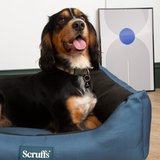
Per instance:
(47,61)
(94,47)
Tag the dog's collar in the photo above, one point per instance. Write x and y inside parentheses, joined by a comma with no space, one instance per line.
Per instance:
(75,71)
(79,72)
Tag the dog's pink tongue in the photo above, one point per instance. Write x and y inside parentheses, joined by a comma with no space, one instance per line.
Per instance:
(79,44)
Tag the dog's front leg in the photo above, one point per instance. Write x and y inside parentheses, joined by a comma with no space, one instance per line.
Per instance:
(76,112)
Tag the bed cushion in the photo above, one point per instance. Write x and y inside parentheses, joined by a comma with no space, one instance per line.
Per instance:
(109,94)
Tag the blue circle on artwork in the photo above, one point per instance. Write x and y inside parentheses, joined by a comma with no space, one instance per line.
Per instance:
(127,36)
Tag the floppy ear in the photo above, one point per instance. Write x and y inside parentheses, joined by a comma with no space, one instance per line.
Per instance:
(47,61)
(94,47)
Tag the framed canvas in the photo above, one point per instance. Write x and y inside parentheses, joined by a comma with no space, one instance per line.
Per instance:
(126,37)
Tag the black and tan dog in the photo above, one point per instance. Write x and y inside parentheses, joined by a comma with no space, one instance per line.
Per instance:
(60,97)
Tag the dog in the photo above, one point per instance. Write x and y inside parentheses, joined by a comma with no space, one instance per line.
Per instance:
(60,97)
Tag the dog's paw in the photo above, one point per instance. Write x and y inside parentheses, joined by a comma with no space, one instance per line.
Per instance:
(5,123)
(92,122)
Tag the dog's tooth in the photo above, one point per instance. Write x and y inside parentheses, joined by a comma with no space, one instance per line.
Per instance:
(70,44)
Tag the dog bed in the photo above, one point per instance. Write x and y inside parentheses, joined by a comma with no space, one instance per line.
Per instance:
(124,134)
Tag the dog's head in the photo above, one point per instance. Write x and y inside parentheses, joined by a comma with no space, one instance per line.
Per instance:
(69,39)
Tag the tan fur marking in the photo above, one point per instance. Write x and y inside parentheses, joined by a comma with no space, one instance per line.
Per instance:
(75,112)
(65,13)
(86,55)
(91,122)
(65,35)
(76,11)
(92,39)
(4,122)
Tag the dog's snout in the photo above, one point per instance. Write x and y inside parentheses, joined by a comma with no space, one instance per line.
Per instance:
(78,25)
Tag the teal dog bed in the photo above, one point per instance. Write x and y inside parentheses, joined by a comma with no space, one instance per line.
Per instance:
(124,134)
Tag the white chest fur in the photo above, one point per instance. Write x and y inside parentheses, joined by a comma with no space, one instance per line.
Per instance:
(87,102)
(79,61)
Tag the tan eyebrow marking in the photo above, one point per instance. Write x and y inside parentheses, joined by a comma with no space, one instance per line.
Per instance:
(76,11)
(65,13)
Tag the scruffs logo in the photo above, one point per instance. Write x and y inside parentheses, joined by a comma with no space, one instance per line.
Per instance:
(42,154)
(36,153)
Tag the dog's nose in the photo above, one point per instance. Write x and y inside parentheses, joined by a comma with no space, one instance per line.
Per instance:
(78,25)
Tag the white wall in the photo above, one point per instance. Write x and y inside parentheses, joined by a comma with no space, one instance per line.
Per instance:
(21,24)
(143,3)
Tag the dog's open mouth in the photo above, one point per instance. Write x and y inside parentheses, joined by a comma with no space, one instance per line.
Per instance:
(76,44)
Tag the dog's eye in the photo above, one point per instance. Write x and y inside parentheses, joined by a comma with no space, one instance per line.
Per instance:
(82,17)
(61,20)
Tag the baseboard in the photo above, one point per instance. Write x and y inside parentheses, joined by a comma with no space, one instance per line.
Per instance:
(5,73)
(157,75)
